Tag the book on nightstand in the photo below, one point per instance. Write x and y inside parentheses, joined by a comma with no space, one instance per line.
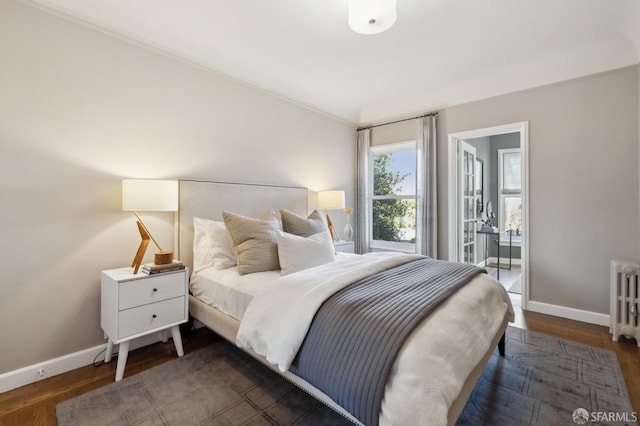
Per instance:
(152,268)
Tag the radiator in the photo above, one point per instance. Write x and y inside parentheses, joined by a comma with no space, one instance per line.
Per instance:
(625,300)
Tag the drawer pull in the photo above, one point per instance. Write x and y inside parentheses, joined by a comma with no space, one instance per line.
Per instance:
(154,316)
(155,289)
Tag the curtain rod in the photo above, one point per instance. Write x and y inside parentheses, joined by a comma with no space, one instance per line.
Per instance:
(397,121)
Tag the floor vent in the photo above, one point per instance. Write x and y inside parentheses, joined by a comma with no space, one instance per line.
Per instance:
(625,300)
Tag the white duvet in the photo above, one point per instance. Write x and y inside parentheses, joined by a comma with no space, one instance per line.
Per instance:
(277,320)
(433,364)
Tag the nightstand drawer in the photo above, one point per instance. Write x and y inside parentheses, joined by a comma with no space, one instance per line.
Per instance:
(149,317)
(150,290)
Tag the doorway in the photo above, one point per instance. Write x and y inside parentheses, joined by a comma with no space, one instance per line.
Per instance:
(489,203)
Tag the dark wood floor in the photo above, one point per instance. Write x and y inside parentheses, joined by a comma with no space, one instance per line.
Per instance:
(35,404)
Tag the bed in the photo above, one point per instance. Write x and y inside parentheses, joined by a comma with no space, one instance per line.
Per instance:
(439,363)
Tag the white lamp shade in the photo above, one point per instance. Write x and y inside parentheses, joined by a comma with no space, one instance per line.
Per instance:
(149,195)
(371,16)
(331,200)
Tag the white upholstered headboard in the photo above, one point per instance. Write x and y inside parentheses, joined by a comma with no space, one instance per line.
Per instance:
(207,200)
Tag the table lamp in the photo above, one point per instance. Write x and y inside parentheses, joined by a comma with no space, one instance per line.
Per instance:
(148,195)
(330,200)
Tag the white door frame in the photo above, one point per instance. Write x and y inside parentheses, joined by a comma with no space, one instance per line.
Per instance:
(460,216)
(454,138)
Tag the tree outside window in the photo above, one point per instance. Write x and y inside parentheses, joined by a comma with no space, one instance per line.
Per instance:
(394,200)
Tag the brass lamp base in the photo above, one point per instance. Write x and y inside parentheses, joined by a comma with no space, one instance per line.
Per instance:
(330,226)
(163,258)
(137,261)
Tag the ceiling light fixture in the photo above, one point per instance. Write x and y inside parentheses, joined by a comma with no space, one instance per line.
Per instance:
(371,16)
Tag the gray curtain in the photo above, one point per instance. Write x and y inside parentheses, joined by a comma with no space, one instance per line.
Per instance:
(363,207)
(427,202)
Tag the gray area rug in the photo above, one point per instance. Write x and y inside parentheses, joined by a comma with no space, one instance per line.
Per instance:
(542,381)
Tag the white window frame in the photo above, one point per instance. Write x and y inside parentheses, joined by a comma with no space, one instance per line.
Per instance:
(381,245)
(504,237)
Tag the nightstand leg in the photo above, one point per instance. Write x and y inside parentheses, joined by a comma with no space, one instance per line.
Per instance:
(177,339)
(109,353)
(123,353)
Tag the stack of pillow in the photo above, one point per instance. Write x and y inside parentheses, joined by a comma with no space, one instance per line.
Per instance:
(253,245)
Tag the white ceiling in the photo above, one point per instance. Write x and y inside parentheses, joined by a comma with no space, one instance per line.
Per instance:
(439,52)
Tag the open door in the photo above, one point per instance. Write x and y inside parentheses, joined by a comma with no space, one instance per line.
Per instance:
(461,243)
(467,216)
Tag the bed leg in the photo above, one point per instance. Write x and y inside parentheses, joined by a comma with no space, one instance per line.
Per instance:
(501,345)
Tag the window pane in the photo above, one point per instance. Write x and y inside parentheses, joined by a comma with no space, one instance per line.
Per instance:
(394,220)
(469,253)
(395,173)
(511,171)
(478,177)
(512,215)
(469,231)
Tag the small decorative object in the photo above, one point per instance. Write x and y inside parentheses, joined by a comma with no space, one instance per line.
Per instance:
(149,196)
(348,231)
(331,200)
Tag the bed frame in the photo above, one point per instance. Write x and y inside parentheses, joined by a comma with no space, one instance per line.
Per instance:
(207,199)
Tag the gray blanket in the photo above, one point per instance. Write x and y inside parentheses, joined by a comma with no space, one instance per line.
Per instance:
(357,333)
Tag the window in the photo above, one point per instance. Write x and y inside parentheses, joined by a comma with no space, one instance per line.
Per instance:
(510,193)
(393,200)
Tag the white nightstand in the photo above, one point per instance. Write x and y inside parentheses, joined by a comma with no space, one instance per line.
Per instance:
(140,304)
(343,246)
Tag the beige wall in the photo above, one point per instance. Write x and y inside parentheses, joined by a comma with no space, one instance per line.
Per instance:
(79,110)
(583,164)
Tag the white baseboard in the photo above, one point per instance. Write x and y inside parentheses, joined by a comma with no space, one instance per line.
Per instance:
(53,367)
(569,313)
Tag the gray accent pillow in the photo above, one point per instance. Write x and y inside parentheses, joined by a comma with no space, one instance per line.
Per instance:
(254,241)
(303,226)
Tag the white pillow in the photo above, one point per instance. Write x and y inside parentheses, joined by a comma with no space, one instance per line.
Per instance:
(221,250)
(211,246)
(298,253)
(202,257)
